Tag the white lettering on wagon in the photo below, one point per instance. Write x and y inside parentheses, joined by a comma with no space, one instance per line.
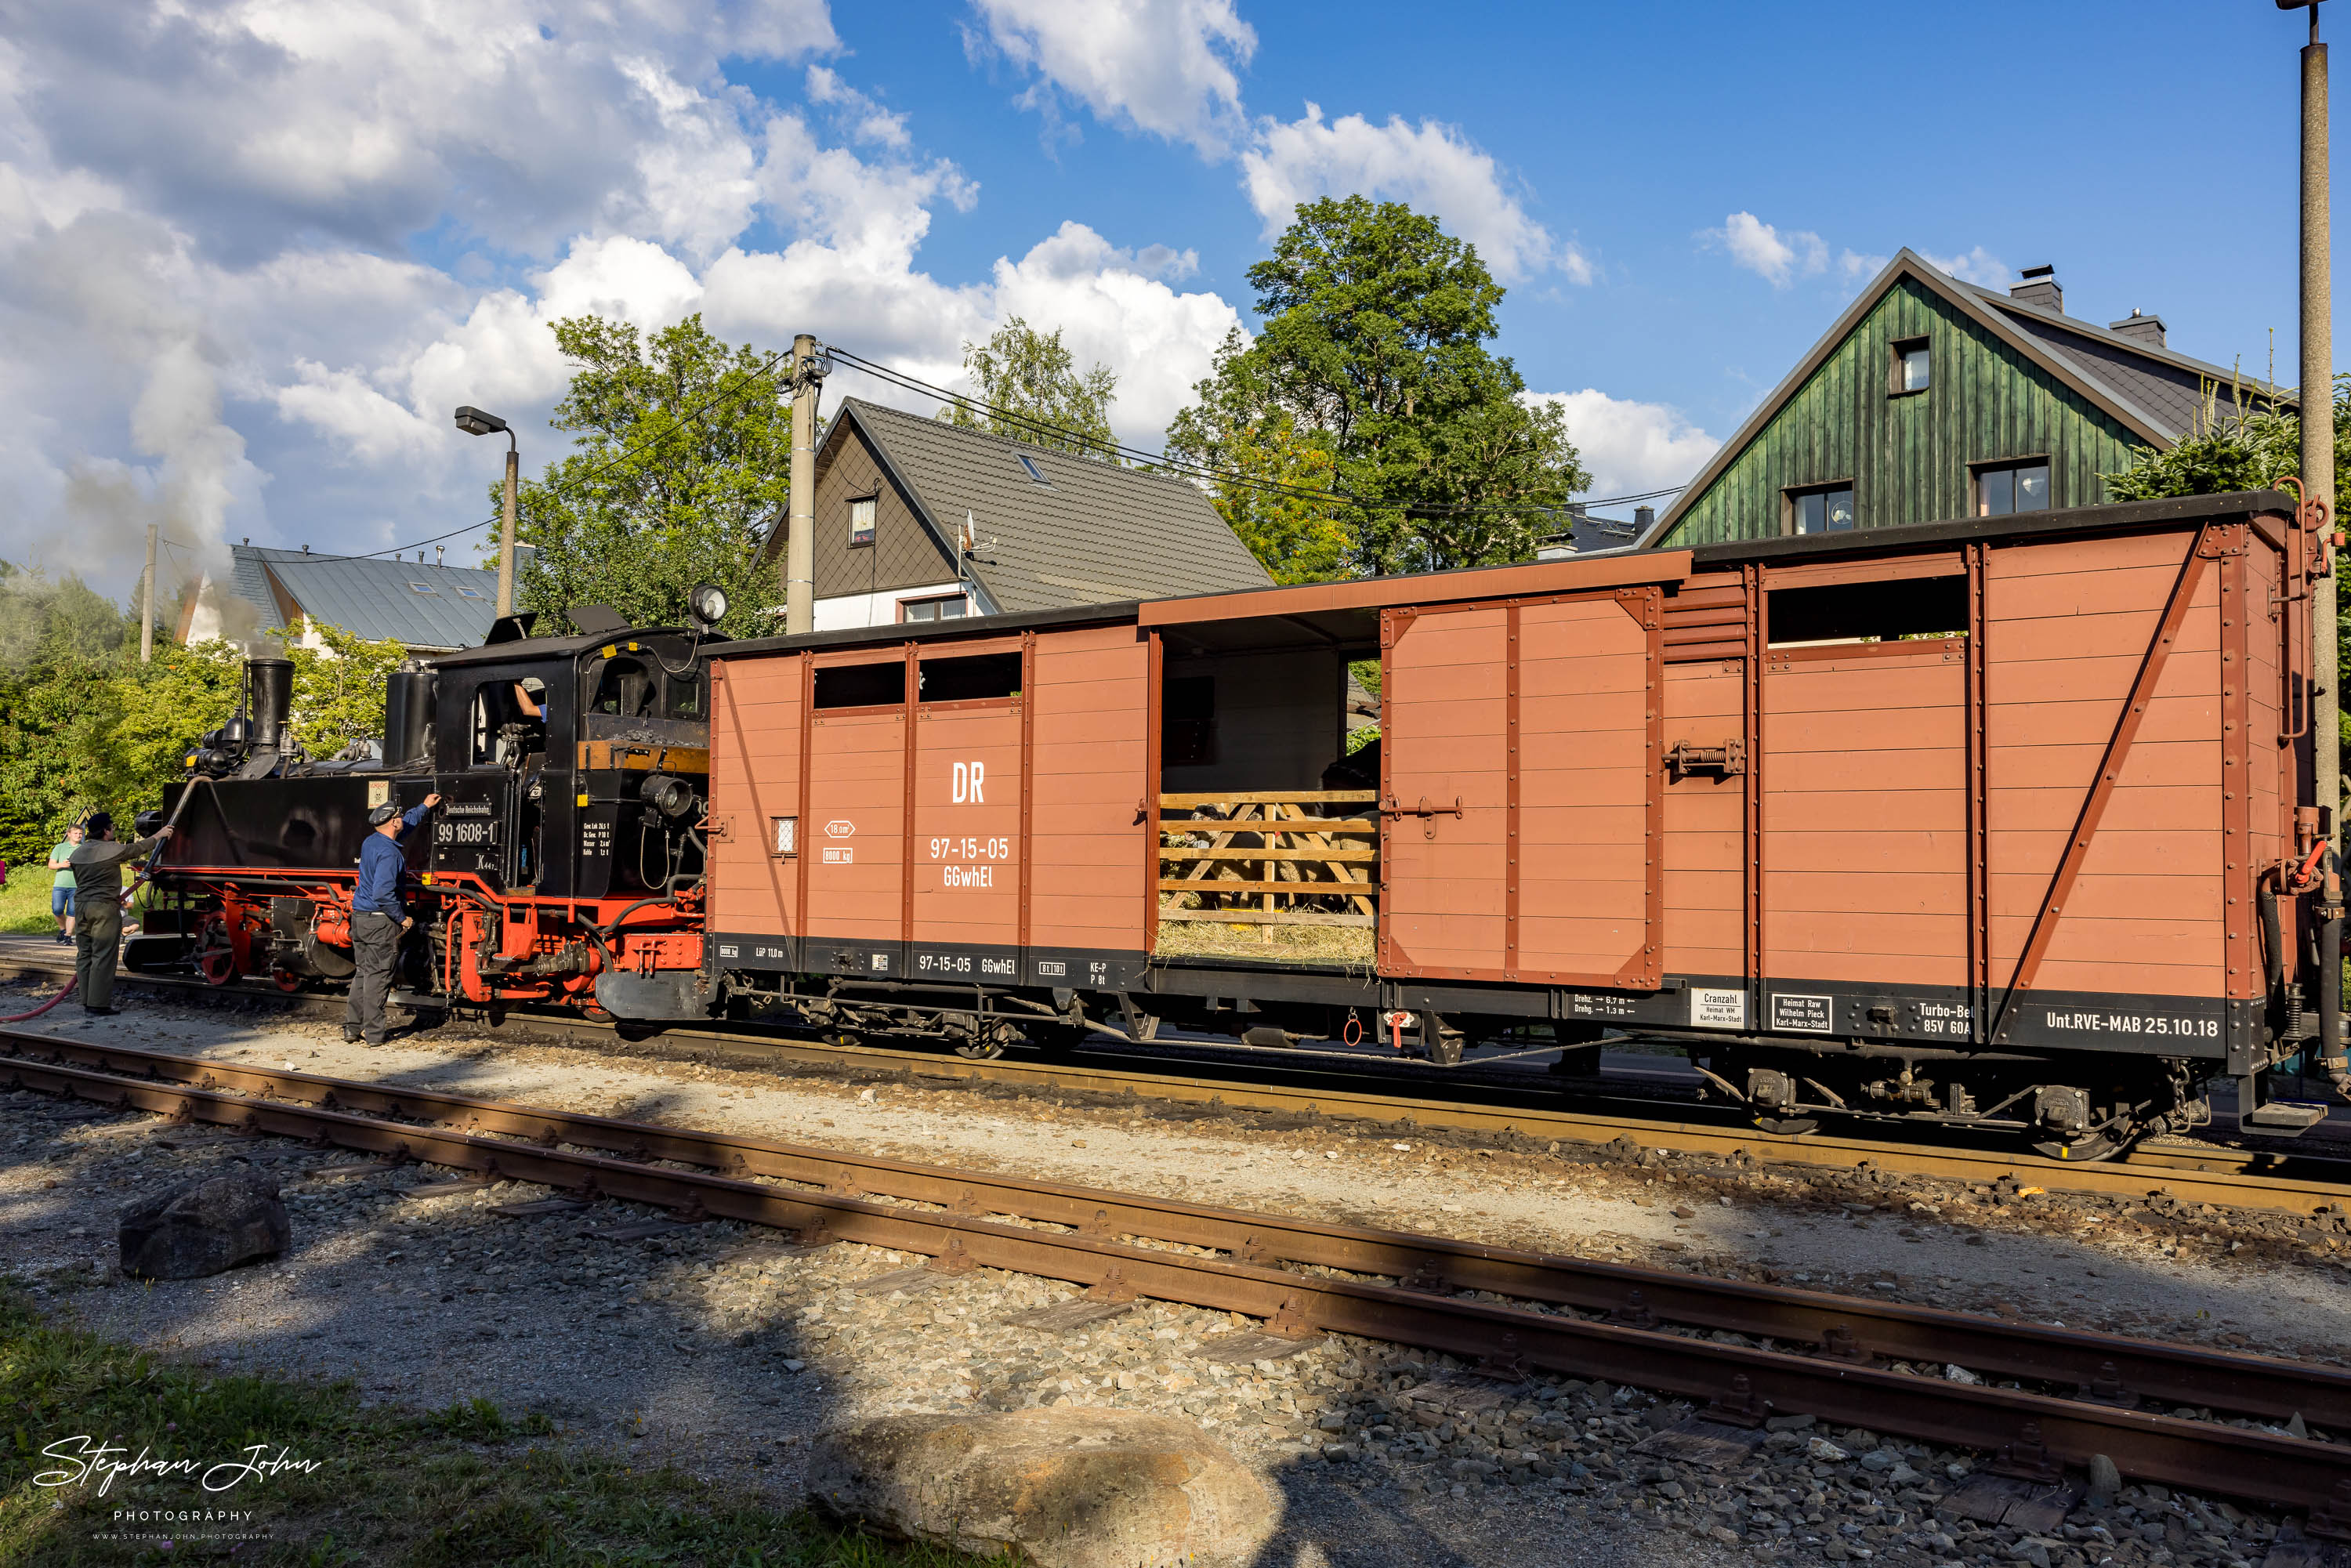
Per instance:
(2132,1023)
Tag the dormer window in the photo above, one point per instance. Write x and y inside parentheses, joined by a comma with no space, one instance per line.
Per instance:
(1036,475)
(860,520)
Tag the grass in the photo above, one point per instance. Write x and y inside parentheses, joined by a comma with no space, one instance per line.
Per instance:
(24,902)
(461,1488)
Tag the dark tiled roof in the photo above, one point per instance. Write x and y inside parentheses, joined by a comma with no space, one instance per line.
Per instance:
(371,598)
(1092,534)
(2163,384)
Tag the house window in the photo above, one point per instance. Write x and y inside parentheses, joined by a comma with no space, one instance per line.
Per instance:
(1827,510)
(861,521)
(946,607)
(1913,366)
(2013,488)
(1036,475)
(422,588)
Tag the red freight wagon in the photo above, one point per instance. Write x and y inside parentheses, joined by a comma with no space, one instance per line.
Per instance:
(1998,822)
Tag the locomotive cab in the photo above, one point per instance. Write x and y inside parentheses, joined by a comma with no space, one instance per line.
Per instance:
(572,768)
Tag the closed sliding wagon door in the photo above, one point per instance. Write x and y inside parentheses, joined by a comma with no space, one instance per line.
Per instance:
(853,833)
(1521,804)
(968,846)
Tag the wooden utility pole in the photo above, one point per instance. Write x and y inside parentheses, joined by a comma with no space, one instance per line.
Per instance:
(147,604)
(2318,403)
(800,545)
(506,528)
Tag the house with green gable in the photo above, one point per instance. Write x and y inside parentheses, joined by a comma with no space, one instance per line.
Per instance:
(1933,399)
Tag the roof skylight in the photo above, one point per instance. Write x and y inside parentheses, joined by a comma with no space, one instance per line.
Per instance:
(1036,475)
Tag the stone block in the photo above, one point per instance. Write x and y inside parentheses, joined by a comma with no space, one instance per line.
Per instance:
(203,1227)
(1065,1487)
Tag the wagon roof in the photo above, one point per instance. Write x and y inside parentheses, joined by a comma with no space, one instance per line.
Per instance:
(1346,611)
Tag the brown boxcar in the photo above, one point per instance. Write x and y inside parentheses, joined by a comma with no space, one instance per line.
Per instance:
(1980,822)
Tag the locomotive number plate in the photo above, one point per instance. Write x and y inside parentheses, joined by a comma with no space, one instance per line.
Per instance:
(477,831)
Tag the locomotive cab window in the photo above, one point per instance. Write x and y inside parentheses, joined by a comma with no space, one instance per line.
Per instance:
(624,688)
(684,697)
(1868,611)
(862,686)
(974,677)
(510,721)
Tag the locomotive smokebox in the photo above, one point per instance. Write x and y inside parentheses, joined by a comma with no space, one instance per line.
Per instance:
(271,681)
(407,716)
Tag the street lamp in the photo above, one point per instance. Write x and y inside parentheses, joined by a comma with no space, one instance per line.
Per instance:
(473,422)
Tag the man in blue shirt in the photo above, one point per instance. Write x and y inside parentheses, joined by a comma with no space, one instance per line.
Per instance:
(377,919)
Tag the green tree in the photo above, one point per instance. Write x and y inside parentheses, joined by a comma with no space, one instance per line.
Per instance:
(1277,495)
(338,689)
(156,713)
(2247,448)
(679,463)
(1030,374)
(1375,339)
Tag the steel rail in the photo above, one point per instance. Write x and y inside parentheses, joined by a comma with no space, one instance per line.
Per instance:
(1856,1327)
(2258,1179)
(958,1237)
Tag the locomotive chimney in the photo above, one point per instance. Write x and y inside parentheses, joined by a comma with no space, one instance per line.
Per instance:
(271,681)
(407,716)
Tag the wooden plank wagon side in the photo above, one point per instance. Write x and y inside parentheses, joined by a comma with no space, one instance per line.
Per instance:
(1980,822)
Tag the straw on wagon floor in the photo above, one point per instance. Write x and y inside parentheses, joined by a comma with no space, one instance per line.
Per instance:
(1264,874)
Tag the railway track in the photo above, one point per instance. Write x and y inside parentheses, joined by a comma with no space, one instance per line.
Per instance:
(2283,1178)
(2049,1397)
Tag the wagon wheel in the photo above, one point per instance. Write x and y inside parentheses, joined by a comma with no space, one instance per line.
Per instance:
(215,958)
(980,1050)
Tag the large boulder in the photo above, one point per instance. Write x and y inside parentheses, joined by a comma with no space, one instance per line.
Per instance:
(1065,1487)
(203,1227)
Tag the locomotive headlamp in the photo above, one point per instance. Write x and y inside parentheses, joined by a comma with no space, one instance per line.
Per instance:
(707,603)
(670,796)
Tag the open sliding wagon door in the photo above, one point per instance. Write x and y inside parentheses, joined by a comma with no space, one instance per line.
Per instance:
(1521,790)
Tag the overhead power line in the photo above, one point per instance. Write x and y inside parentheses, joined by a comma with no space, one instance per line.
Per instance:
(1085,441)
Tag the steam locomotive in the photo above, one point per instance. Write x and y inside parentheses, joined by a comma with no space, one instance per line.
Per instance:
(564,865)
(2002,823)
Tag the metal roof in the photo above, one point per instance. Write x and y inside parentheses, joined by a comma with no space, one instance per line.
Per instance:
(406,602)
(1091,533)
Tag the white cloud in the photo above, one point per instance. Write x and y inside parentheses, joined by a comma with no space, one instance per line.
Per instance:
(1977,266)
(861,115)
(1432,167)
(1168,68)
(1775,256)
(254,125)
(251,347)
(1779,256)
(1630,447)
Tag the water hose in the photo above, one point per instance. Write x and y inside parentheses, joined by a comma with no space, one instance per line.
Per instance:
(45,1007)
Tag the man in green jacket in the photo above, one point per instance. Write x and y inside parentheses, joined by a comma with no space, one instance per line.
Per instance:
(97,890)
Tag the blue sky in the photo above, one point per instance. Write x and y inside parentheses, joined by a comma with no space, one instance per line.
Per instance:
(249,256)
